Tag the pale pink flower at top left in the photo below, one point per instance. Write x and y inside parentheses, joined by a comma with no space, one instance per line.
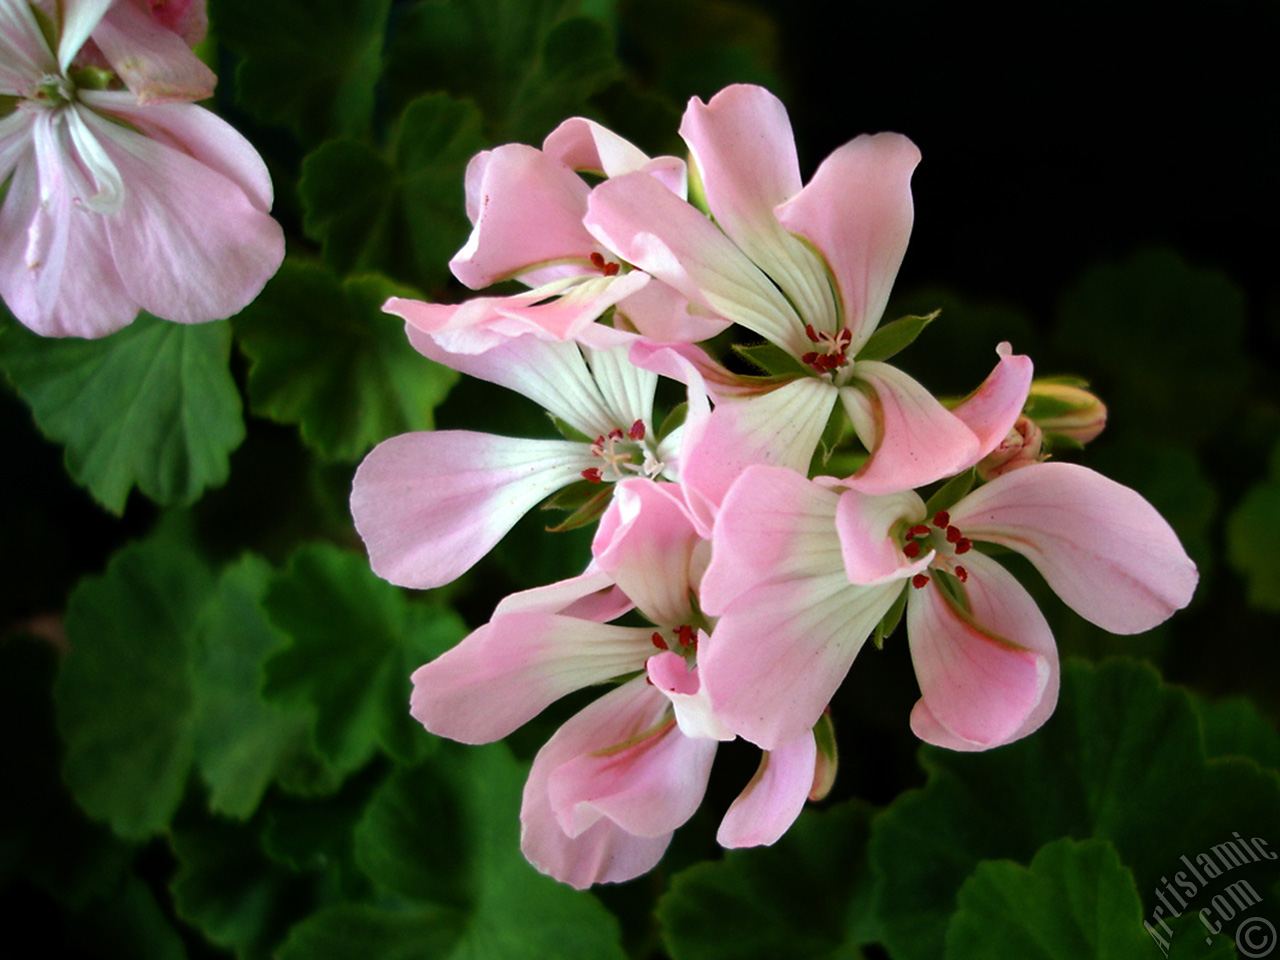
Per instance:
(122,200)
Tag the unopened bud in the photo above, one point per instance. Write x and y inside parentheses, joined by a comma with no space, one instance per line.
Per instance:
(1065,411)
(824,770)
(1021,447)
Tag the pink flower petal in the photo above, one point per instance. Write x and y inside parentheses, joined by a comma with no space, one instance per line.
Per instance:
(79,20)
(778,428)
(992,410)
(587,146)
(429,505)
(603,853)
(528,210)
(664,236)
(661,314)
(647,543)
(190,244)
(589,596)
(987,677)
(509,670)
(24,55)
(560,311)
(1102,548)
(864,523)
(857,211)
(790,622)
(913,439)
(642,773)
(773,799)
(671,674)
(154,62)
(742,146)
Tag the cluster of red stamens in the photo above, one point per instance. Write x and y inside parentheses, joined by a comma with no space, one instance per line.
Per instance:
(604,447)
(685,636)
(960,544)
(606,267)
(834,353)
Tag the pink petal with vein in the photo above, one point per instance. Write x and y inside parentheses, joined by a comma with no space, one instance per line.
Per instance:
(509,670)
(773,799)
(986,678)
(1102,548)
(585,145)
(671,674)
(528,210)
(864,522)
(790,622)
(913,439)
(992,410)
(857,211)
(155,63)
(646,542)
(429,505)
(605,852)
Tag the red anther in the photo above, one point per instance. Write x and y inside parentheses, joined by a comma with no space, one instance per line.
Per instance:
(962,574)
(919,530)
(942,519)
(637,430)
(809,358)
(659,642)
(599,441)
(648,680)
(811,334)
(597,259)
(616,434)
(684,633)
(964,545)
(954,535)
(844,338)
(912,549)
(610,269)
(593,474)
(919,580)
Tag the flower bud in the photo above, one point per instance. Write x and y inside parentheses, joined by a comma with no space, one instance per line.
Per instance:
(1021,447)
(1066,411)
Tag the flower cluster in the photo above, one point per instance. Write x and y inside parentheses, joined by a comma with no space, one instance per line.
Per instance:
(751,541)
(122,194)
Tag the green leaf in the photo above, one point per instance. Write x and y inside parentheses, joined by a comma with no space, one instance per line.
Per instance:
(124,695)
(807,896)
(951,492)
(772,360)
(1235,728)
(228,889)
(403,215)
(355,640)
(444,837)
(1253,541)
(243,743)
(1075,902)
(309,65)
(127,924)
(152,406)
(325,357)
(892,338)
(1122,759)
(529,65)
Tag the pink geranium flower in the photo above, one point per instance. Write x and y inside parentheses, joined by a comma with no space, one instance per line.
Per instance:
(807,267)
(607,791)
(429,505)
(121,200)
(526,208)
(803,571)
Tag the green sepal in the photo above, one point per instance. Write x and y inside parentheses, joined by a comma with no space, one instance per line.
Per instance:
(951,492)
(889,622)
(833,433)
(828,759)
(772,360)
(672,421)
(588,512)
(892,338)
(569,432)
(1043,408)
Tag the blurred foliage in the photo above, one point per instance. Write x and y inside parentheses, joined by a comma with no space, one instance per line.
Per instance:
(206,746)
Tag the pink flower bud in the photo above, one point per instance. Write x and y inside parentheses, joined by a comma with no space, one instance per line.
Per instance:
(1020,448)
